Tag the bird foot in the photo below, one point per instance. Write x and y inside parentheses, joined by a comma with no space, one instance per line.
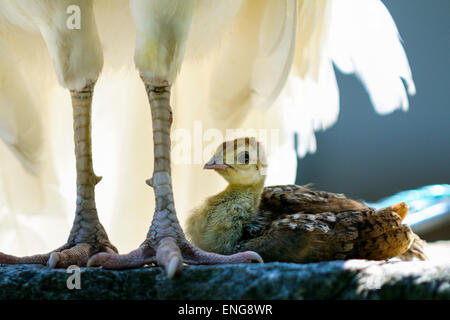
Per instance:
(170,254)
(78,254)
(63,257)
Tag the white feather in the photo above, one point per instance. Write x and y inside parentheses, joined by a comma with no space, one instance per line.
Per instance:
(76,53)
(20,126)
(364,40)
(360,37)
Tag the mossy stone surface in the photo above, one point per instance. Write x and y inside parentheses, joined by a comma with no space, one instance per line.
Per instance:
(353,279)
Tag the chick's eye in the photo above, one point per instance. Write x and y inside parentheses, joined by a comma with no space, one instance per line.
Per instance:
(244,158)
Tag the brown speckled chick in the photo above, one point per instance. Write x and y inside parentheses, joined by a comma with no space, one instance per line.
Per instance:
(292,223)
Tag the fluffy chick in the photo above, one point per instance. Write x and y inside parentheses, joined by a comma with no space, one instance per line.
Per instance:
(292,223)
(218,225)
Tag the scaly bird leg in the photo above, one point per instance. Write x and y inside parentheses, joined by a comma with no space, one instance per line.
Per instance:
(87,236)
(166,244)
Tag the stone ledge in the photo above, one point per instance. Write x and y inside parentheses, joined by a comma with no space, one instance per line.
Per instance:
(352,279)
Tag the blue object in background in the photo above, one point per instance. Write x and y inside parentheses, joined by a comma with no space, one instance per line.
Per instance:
(429,206)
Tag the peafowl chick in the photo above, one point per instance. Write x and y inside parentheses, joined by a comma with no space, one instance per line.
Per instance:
(292,223)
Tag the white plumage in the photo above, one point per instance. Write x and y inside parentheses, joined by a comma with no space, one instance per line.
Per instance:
(259,64)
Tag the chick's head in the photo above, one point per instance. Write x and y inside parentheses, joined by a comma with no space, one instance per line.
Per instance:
(241,161)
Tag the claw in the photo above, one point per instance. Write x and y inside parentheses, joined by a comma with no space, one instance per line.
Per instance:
(169,256)
(254,257)
(53,260)
(98,179)
(173,267)
(98,260)
(246,257)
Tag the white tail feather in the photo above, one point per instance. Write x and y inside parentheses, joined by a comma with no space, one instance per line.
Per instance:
(364,40)
(20,125)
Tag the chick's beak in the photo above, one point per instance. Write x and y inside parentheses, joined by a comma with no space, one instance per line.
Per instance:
(216,163)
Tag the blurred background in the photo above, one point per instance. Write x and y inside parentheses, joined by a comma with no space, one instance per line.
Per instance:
(407,150)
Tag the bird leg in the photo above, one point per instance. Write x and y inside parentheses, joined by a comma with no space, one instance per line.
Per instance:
(87,236)
(166,244)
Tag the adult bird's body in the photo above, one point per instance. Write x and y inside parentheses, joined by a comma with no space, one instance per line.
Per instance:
(242,52)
